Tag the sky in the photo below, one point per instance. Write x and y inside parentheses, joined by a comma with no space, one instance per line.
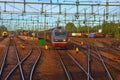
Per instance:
(32,21)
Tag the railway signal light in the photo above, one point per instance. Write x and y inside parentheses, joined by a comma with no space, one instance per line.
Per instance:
(77,50)
(42,42)
(46,47)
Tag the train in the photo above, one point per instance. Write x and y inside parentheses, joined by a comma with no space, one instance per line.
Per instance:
(57,36)
(4,34)
(91,35)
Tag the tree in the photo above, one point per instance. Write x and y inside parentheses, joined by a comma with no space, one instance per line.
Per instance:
(3,28)
(70,27)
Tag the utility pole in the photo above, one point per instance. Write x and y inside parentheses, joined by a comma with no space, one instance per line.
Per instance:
(45,24)
(65,15)
(85,17)
(24,6)
(59,8)
(77,9)
(104,16)
(5,6)
(0,12)
(113,18)
(107,9)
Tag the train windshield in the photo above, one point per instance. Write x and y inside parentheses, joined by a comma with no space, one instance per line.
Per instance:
(60,33)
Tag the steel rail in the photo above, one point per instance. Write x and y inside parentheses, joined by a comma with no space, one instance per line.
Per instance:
(89,53)
(18,58)
(100,56)
(65,68)
(80,66)
(18,64)
(35,64)
(4,60)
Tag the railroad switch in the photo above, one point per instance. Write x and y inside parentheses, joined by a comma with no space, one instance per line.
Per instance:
(77,50)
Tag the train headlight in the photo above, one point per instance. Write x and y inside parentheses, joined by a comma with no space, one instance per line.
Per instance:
(64,40)
(55,40)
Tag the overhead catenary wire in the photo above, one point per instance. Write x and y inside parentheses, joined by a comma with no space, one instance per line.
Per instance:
(36,10)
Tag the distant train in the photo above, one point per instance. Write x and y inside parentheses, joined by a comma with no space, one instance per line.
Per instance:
(4,34)
(57,36)
(91,35)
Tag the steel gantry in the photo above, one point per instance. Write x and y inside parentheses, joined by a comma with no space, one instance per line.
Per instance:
(40,10)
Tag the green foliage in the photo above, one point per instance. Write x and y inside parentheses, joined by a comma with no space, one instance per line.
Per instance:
(3,28)
(70,27)
(83,29)
(110,27)
(107,27)
(18,31)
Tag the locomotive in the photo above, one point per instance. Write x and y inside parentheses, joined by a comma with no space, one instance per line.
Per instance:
(57,36)
(4,34)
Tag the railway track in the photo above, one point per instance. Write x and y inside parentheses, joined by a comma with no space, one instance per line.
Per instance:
(112,64)
(73,69)
(107,51)
(105,67)
(1,39)
(91,68)
(114,47)
(33,59)
(95,57)
(15,68)
(11,59)
(95,66)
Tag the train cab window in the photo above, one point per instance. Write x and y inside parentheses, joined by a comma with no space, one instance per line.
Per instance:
(60,34)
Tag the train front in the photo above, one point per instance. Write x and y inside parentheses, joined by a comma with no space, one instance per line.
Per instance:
(59,37)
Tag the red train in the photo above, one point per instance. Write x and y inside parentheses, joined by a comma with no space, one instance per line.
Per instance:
(57,36)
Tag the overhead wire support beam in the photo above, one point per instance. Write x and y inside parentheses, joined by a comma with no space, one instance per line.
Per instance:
(53,13)
(59,3)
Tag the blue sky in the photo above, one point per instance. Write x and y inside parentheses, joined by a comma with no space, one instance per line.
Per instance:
(52,19)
